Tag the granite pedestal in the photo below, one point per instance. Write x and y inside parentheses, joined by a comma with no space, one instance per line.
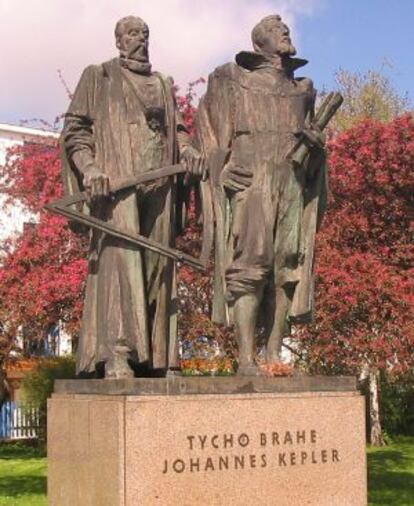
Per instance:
(207,441)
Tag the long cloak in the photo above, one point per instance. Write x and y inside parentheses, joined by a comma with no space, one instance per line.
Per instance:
(244,118)
(128,292)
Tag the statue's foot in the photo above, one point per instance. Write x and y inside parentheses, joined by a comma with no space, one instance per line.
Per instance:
(249,369)
(272,357)
(117,366)
(119,373)
(110,374)
(172,373)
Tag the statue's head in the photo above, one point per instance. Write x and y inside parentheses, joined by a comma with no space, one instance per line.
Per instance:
(131,35)
(271,37)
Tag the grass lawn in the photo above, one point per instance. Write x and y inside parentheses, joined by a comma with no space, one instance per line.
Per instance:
(391,475)
(22,476)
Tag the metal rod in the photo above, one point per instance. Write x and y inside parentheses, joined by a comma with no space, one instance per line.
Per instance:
(138,240)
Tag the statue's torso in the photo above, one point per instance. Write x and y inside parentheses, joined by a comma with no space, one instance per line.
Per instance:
(129,121)
(269,109)
(146,111)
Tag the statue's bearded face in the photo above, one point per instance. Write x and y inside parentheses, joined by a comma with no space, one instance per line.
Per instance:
(276,40)
(132,39)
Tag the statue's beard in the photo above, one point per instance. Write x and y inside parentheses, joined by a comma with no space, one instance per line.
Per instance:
(136,58)
(286,49)
(137,51)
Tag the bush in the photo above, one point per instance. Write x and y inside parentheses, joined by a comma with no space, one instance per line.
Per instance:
(37,385)
(397,404)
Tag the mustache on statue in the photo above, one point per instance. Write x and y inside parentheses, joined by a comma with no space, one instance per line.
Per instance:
(137,51)
(135,58)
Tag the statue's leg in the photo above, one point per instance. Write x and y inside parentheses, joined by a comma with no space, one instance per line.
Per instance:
(246,310)
(274,343)
(121,300)
(155,216)
(246,275)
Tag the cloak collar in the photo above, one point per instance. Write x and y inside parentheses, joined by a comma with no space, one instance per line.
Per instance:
(251,60)
(143,68)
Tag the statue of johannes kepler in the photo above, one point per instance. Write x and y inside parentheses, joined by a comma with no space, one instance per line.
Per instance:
(265,151)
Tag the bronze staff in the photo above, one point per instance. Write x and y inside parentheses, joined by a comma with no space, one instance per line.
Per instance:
(63,208)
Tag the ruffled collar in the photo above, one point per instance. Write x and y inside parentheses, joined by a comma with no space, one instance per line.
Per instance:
(136,66)
(251,60)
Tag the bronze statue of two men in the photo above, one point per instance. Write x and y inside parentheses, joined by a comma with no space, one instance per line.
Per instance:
(123,121)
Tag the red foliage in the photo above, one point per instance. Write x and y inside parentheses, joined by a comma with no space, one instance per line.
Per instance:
(365,284)
(372,190)
(186,105)
(32,175)
(276,369)
(43,271)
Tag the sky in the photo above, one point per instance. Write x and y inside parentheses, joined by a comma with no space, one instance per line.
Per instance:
(188,39)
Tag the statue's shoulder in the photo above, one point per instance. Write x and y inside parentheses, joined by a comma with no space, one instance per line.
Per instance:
(166,79)
(305,84)
(227,77)
(93,72)
(106,68)
(229,70)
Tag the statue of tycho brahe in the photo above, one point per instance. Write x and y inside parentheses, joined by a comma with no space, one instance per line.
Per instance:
(254,120)
(123,122)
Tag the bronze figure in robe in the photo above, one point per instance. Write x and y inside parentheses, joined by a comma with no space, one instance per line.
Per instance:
(123,121)
(267,210)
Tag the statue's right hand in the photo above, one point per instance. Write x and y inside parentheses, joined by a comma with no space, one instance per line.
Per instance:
(236,178)
(96,183)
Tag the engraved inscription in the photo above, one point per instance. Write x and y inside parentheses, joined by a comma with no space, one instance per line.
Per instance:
(239,451)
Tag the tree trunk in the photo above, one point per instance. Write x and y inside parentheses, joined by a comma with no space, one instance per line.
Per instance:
(3,385)
(375,430)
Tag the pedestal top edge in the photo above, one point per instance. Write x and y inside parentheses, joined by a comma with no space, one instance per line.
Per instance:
(188,385)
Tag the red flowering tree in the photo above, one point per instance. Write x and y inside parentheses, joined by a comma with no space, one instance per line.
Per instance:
(364,266)
(365,285)
(42,272)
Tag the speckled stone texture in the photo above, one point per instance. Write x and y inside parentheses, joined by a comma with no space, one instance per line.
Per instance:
(86,445)
(300,448)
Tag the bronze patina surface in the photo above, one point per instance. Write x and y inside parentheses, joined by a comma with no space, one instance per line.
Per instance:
(123,122)
(263,145)
(266,157)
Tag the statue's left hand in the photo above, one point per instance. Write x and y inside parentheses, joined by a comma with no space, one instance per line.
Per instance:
(193,162)
(314,136)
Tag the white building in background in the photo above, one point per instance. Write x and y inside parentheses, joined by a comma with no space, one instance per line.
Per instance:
(13,218)
(13,135)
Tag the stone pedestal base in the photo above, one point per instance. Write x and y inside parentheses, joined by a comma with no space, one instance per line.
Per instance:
(269,444)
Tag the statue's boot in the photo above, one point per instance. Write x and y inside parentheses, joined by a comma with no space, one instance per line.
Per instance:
(246,310)
(117,366)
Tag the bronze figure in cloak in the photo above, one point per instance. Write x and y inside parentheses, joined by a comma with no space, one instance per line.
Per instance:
(123,121)
(251,122)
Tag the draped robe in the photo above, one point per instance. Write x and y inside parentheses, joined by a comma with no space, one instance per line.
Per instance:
(250,117)
(111,120)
